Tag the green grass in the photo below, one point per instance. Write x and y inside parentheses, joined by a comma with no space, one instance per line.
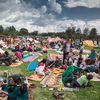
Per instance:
(89,93)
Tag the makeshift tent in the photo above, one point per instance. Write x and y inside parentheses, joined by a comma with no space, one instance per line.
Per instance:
(88,43)
(57,39)
(54,39)
(30,39)
(16,39)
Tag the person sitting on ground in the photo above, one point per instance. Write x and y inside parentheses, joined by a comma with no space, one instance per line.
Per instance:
(80,60)
(57,62)
(19,55)
(93,55)
(44,48)
(17,47)
(6,58)
(41,69)
(17,89)
(30,48)
(68,73)
(82,81)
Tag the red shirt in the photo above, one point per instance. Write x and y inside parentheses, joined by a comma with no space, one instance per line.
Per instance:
(17,47)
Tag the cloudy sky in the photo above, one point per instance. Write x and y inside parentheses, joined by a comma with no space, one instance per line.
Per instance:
(50,15)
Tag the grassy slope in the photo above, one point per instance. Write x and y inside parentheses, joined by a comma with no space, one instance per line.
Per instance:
(91,93)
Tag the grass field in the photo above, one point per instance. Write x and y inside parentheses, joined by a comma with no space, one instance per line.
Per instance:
(90,93)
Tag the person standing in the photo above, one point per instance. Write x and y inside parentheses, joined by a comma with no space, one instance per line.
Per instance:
(66,49)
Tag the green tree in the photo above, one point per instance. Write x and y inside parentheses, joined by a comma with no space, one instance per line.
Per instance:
(86,31)
(69,32)
(23,31)
(93,33)
(1,29)
(10,31)
(35,33)
(78,33)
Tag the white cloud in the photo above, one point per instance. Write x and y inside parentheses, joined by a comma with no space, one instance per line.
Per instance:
(14,13)
(51,24)
(55,6)
(43,9)
(84,3)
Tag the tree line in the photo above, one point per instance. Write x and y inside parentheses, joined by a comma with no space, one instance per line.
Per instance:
(70,32)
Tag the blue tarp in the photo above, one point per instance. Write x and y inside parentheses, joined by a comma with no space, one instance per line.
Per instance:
(32,66)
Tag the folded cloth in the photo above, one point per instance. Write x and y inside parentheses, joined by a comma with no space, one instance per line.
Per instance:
(57,71)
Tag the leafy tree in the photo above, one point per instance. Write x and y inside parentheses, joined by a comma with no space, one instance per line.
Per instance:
(93,33)
(35,33)
(1,29)
(69,32)
(78,33)
(10,31)
(24,31)
(86,31)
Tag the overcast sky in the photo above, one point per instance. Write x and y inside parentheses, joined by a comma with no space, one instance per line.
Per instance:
(50,15)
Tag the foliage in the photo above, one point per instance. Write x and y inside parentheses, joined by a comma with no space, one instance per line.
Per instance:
(93,33)
(70,32)
(10,31)
(23,31)
(1,29)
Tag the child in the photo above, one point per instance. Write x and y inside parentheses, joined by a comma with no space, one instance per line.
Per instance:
(82,81)
(41,68)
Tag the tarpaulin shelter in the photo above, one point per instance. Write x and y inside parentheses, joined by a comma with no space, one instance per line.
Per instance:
(17,39)
(88,43)
(30,39)
(54,39)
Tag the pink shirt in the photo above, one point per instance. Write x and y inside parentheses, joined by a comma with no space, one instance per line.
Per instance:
(19,55)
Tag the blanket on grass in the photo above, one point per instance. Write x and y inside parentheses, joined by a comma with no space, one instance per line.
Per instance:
(16,64)
(36,77)
(54,56)
(50,80)
(96,77)
(30,58)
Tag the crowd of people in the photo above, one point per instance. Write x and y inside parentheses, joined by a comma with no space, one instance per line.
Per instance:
(74,64)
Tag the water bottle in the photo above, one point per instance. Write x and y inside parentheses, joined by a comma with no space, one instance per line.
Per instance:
(59,88)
